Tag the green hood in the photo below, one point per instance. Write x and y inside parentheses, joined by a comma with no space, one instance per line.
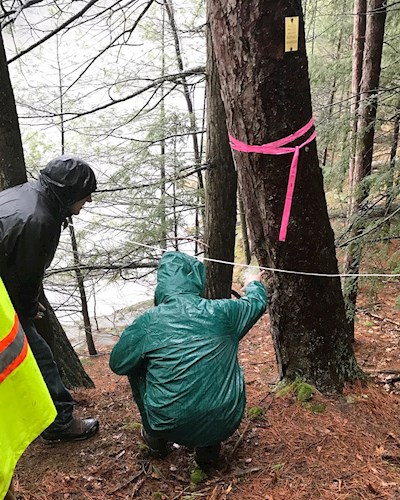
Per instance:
(181,356)
(179,274)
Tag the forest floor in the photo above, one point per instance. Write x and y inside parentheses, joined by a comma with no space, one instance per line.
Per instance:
(351,450)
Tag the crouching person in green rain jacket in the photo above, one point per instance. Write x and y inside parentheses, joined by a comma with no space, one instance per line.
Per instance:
(181,360)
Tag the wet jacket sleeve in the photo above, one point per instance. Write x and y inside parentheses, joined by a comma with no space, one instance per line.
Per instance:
(247,310)
(33,252)
(127,354)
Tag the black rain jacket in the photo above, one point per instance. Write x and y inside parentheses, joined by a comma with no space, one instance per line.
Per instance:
(31,216)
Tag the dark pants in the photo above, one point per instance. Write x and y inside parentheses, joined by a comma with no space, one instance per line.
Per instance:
(60,395)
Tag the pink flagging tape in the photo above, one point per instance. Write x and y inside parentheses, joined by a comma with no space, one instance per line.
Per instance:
(277,148)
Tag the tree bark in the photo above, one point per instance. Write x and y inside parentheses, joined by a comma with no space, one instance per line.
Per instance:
(221,188)
(374,34)
(371,70)
(12,164)
(266,93)
(245,236)
(359,24)
(334,88)
(70,368)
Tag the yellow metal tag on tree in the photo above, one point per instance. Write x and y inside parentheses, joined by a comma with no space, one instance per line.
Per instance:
(291,34)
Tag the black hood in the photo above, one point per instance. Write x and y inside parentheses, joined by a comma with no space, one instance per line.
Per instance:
(68,179)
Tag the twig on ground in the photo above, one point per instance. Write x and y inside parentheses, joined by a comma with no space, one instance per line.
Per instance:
(137,486)
(125,483)
(385,320)
(240,438)
(394,437)
(181,493)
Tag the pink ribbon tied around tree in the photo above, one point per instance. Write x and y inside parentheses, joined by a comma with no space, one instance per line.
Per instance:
(277,148)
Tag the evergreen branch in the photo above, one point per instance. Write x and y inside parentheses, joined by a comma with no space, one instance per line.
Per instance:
(370,230)
(154,183)
(175,77)
(103,267)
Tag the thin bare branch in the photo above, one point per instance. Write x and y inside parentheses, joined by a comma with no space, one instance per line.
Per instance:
(54,32)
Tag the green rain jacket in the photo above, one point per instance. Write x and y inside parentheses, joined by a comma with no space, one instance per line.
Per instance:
(181,356)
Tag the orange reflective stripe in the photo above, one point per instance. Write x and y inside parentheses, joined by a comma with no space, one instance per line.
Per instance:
(13,350)
(11,336)
(17,361)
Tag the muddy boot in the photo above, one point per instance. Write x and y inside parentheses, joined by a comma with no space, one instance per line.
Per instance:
(77,431)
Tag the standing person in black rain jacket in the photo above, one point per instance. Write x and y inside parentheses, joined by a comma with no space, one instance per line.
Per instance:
(31,217)
(181,360)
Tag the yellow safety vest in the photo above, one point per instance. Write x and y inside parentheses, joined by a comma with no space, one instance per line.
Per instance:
(26,408)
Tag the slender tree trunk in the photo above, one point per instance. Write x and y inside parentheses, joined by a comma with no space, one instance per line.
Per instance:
(186,91)
(81,287)
(221,189)
(12,164)
(266,94)
(175,213)
(163,216)
(392,162)
(334,85)
(74,244)
(374,34)
(192,118)
(359,24)
(313,24)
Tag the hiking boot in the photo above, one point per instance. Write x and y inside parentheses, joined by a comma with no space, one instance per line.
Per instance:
(206,457)
(79,430)
(157,446)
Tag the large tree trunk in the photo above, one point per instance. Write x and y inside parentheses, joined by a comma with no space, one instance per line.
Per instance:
(221,187)
(266,93)
(374,34)
(12,173)
(12,164)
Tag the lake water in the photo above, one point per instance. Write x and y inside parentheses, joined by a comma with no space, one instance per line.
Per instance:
(112,307)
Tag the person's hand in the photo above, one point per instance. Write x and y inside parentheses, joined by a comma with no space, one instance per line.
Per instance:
(41,311)
(250,278)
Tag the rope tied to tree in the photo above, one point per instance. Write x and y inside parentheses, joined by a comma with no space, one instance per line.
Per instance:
(277,148)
